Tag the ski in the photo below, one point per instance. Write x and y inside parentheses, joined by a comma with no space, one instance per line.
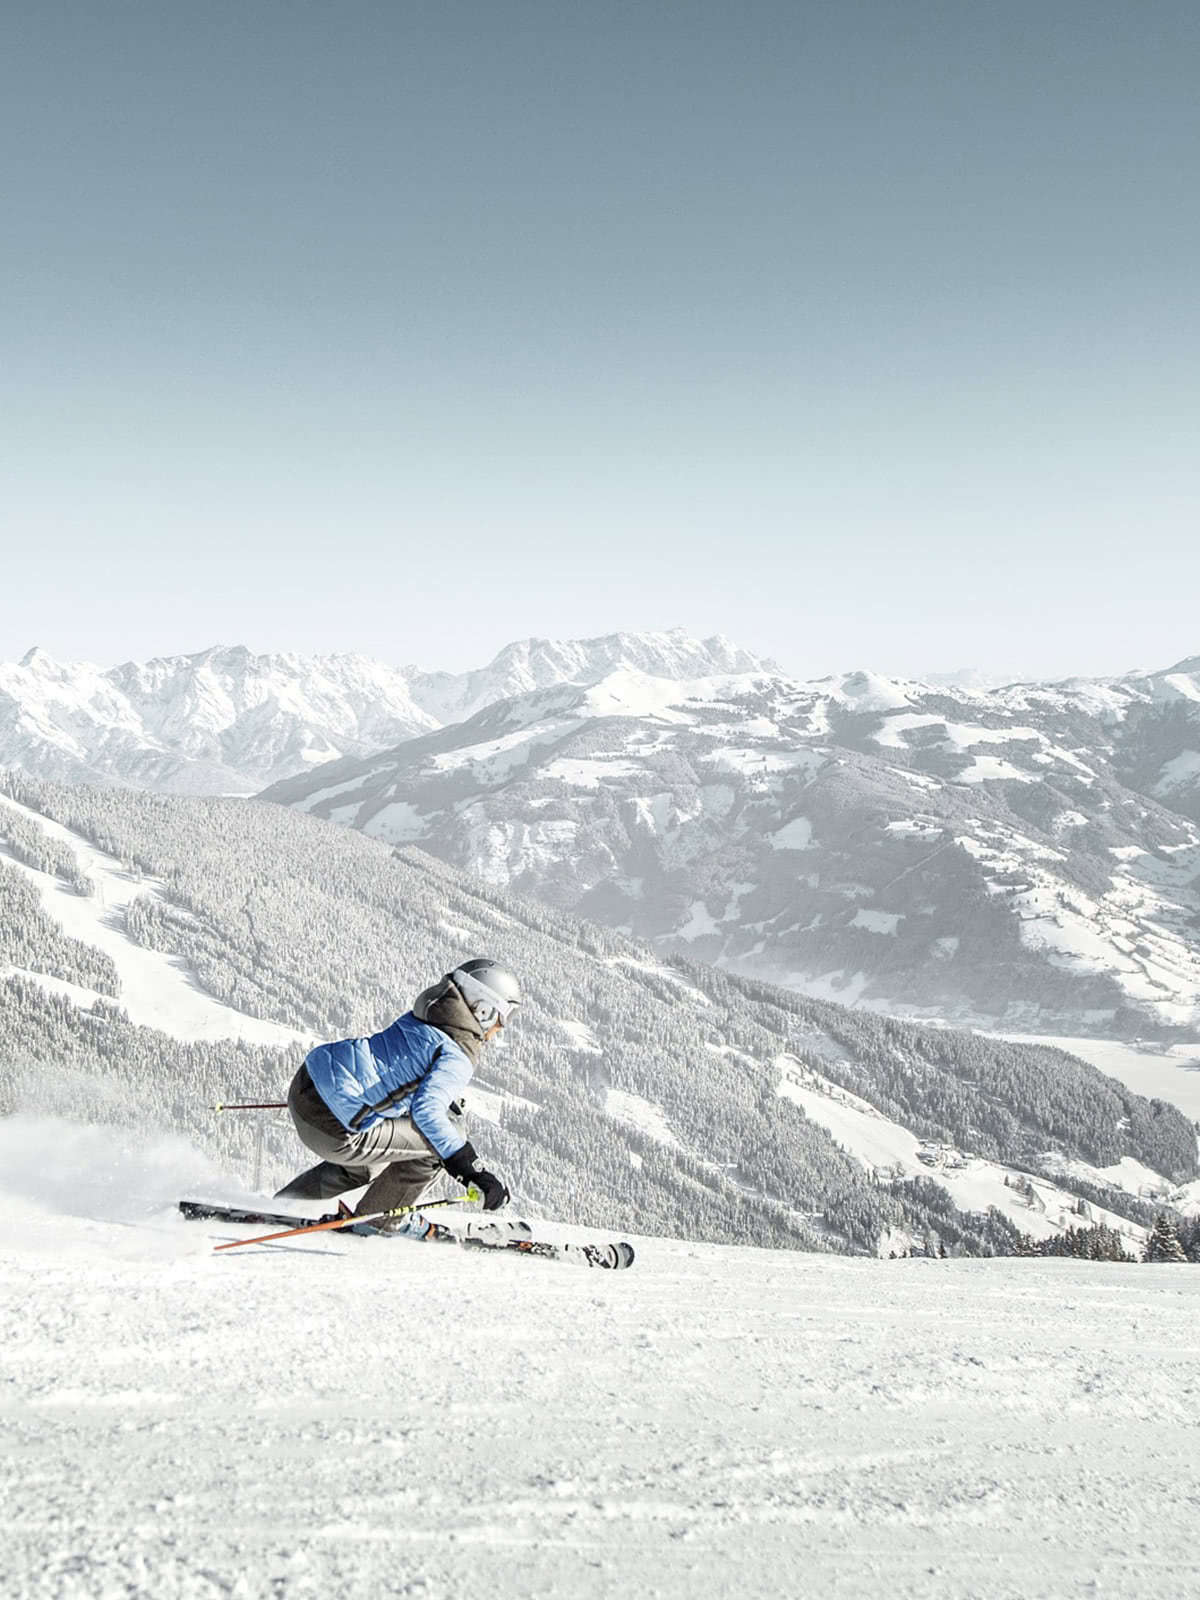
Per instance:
(210,1211)
(614,1255)
(516,1236)
(202,1211)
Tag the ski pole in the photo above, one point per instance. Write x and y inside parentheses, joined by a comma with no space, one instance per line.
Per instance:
(252,1105)
(350,1218)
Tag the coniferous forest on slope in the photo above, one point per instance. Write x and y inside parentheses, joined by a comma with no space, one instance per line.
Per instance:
(309,925)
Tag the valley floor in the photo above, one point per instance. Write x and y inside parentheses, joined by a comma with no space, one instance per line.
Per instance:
(374,1418)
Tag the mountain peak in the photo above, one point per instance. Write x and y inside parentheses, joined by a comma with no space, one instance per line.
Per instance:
(870,691)
(527,665)
(658,653)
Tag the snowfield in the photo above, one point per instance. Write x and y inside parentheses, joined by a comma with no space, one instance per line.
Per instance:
(354,1418)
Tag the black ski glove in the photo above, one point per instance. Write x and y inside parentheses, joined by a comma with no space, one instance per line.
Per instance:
(464,1165)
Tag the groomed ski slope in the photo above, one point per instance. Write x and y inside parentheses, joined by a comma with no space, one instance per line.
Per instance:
(365,1418)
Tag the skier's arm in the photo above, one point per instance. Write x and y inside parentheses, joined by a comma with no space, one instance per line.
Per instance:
(431,1101)
(430,1113)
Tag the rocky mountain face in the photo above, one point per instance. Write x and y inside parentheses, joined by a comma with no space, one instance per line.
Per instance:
(227,721)
(1026,857)
(1160,747)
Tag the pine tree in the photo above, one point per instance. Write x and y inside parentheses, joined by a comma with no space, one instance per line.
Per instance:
(1163,1243)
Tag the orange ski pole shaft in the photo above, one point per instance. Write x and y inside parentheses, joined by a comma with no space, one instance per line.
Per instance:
(350,1219)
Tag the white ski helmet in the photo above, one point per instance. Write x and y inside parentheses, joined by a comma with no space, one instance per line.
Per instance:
(490,990)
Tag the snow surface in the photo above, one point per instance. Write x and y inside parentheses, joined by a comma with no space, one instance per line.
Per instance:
(581,1036)
(629,693)
(373,1418)
(958,736)
(868,691)
(1185,768)
(636,1112)
(858,1127)
(877,921)
(662,972)
(794,835)
(226,720)
(1182,685)
(700,923)
(991,769)
(626,663)
(492,1105)
(588,772)
(79,996)
(398,823)
(503,755)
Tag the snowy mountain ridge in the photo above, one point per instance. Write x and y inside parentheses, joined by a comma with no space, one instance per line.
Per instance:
(1023,858)
(228,721)
(206,723)
(532,664)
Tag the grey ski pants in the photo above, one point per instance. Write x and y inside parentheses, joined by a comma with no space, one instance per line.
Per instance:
(392,1157)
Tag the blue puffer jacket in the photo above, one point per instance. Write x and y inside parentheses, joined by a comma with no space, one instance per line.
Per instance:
(409,1070)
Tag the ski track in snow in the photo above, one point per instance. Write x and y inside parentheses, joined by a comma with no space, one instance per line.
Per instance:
(357,1417)
(157,990)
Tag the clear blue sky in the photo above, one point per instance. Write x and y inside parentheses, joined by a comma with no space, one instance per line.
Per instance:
(867,333)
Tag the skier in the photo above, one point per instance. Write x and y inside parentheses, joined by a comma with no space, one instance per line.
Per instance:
(383,1111)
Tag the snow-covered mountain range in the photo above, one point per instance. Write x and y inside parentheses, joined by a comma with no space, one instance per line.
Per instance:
(222,721)
(227,721)
(533,664)
(1027,856)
